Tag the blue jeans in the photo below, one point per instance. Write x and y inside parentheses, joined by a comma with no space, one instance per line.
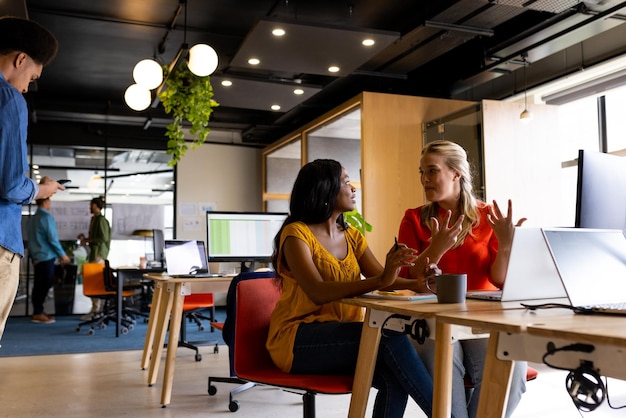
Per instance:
(333,347)
(469,358)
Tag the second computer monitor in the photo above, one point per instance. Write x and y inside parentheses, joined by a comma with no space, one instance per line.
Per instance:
(245,237)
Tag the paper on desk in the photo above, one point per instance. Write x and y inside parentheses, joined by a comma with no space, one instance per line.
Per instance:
(403,294)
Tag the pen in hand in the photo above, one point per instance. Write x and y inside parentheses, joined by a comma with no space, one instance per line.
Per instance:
(396,240)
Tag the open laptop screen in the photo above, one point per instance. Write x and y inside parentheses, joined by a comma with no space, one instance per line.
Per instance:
(591,263)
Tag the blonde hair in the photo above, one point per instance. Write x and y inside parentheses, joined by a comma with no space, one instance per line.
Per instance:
(455,158)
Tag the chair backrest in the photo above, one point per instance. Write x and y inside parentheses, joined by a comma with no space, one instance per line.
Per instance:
(93,279)
(256,300)
(228,331)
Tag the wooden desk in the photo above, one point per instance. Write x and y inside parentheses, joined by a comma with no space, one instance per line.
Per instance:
(524,335)
(167,306)
(376,313)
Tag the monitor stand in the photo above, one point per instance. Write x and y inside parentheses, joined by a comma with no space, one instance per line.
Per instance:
(247,266)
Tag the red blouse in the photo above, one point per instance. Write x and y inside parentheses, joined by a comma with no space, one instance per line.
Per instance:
(475,256)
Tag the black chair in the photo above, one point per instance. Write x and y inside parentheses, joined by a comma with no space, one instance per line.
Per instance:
(228,334)
(129,311)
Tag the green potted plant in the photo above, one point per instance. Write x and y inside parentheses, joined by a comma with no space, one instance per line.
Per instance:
(186,97)
(355,219)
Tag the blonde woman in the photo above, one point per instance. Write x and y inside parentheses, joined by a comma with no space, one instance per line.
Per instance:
(461,234)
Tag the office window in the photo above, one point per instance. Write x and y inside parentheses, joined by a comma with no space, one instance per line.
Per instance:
(615,121)
(578,123)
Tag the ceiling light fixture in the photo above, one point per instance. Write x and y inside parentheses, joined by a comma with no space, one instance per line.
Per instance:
(368,42)
(298,91)
(254,61)
(333,69)
(227,83)
(525,116)
(278,32)
(148,74)
(275,107)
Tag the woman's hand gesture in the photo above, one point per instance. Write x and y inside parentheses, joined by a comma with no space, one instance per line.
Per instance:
(398,256)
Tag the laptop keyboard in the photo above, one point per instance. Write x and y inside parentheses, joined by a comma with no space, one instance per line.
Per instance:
(609,307)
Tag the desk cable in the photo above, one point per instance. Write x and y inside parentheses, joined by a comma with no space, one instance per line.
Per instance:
(577,309)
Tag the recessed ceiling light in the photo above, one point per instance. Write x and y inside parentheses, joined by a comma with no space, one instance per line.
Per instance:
(275,107)
(254,61)
(35,171)
(278,32)
(368,42)
(333,69)
(298,91)
(35,166)
(227,83)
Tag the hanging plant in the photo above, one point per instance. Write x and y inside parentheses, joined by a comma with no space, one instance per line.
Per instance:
(186,97)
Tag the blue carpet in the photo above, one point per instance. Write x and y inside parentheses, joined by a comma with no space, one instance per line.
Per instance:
(25,338)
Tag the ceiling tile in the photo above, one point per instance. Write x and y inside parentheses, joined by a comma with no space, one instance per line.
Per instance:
(309,49)
(259,95)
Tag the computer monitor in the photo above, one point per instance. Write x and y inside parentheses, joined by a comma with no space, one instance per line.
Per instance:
(601,191)
(158,244)
(244,237)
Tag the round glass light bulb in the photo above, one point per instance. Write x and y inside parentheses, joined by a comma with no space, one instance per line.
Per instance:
(137,97)
(148,73)
(202,60)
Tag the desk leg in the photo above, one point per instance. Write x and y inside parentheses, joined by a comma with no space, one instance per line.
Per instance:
(165,308)
(152,325)
(118,294)
(442,380)
(172,344)
(494,393)
(368,352)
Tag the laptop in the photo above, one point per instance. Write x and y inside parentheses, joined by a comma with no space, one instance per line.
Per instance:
(531,273)
(592,267)
(186,259)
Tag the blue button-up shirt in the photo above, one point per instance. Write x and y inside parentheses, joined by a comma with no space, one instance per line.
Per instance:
(16,189)
(43,240)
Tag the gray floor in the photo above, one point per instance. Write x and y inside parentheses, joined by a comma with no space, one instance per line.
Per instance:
(113,385)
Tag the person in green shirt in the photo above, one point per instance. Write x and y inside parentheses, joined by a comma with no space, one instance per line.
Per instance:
(99,242)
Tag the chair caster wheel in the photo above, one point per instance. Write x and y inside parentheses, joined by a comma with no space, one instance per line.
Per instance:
(198,357)
(216,349)
(77,329)
(233,406)
(212,390)
(91,332)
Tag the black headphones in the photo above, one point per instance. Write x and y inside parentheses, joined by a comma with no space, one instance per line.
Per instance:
(584,385)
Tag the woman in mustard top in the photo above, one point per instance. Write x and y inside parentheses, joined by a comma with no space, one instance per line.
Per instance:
(319,260)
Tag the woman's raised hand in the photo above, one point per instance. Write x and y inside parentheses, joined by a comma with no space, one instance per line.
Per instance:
(501,224)
(398,256)
(444,237)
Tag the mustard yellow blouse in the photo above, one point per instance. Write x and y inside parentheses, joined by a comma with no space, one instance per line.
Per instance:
(294,307)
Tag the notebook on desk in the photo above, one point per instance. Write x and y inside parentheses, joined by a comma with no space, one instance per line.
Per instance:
(531,273)
(592,267)
(186,259)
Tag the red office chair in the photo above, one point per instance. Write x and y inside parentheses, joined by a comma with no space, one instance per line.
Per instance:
(193,306)
(255,302)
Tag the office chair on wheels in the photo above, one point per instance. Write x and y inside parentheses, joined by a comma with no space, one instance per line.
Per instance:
(255,301)
(94,287)
(193,306)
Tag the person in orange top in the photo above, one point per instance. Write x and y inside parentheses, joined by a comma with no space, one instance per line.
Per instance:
(319,260)
(461,235)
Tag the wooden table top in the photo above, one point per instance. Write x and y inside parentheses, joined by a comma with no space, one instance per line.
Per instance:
(429,308)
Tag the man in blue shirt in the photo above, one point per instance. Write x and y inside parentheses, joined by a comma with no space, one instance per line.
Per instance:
(44,248)
(25,48)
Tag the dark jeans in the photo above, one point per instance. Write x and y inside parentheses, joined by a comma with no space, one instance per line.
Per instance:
(333,347)
(44,279)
